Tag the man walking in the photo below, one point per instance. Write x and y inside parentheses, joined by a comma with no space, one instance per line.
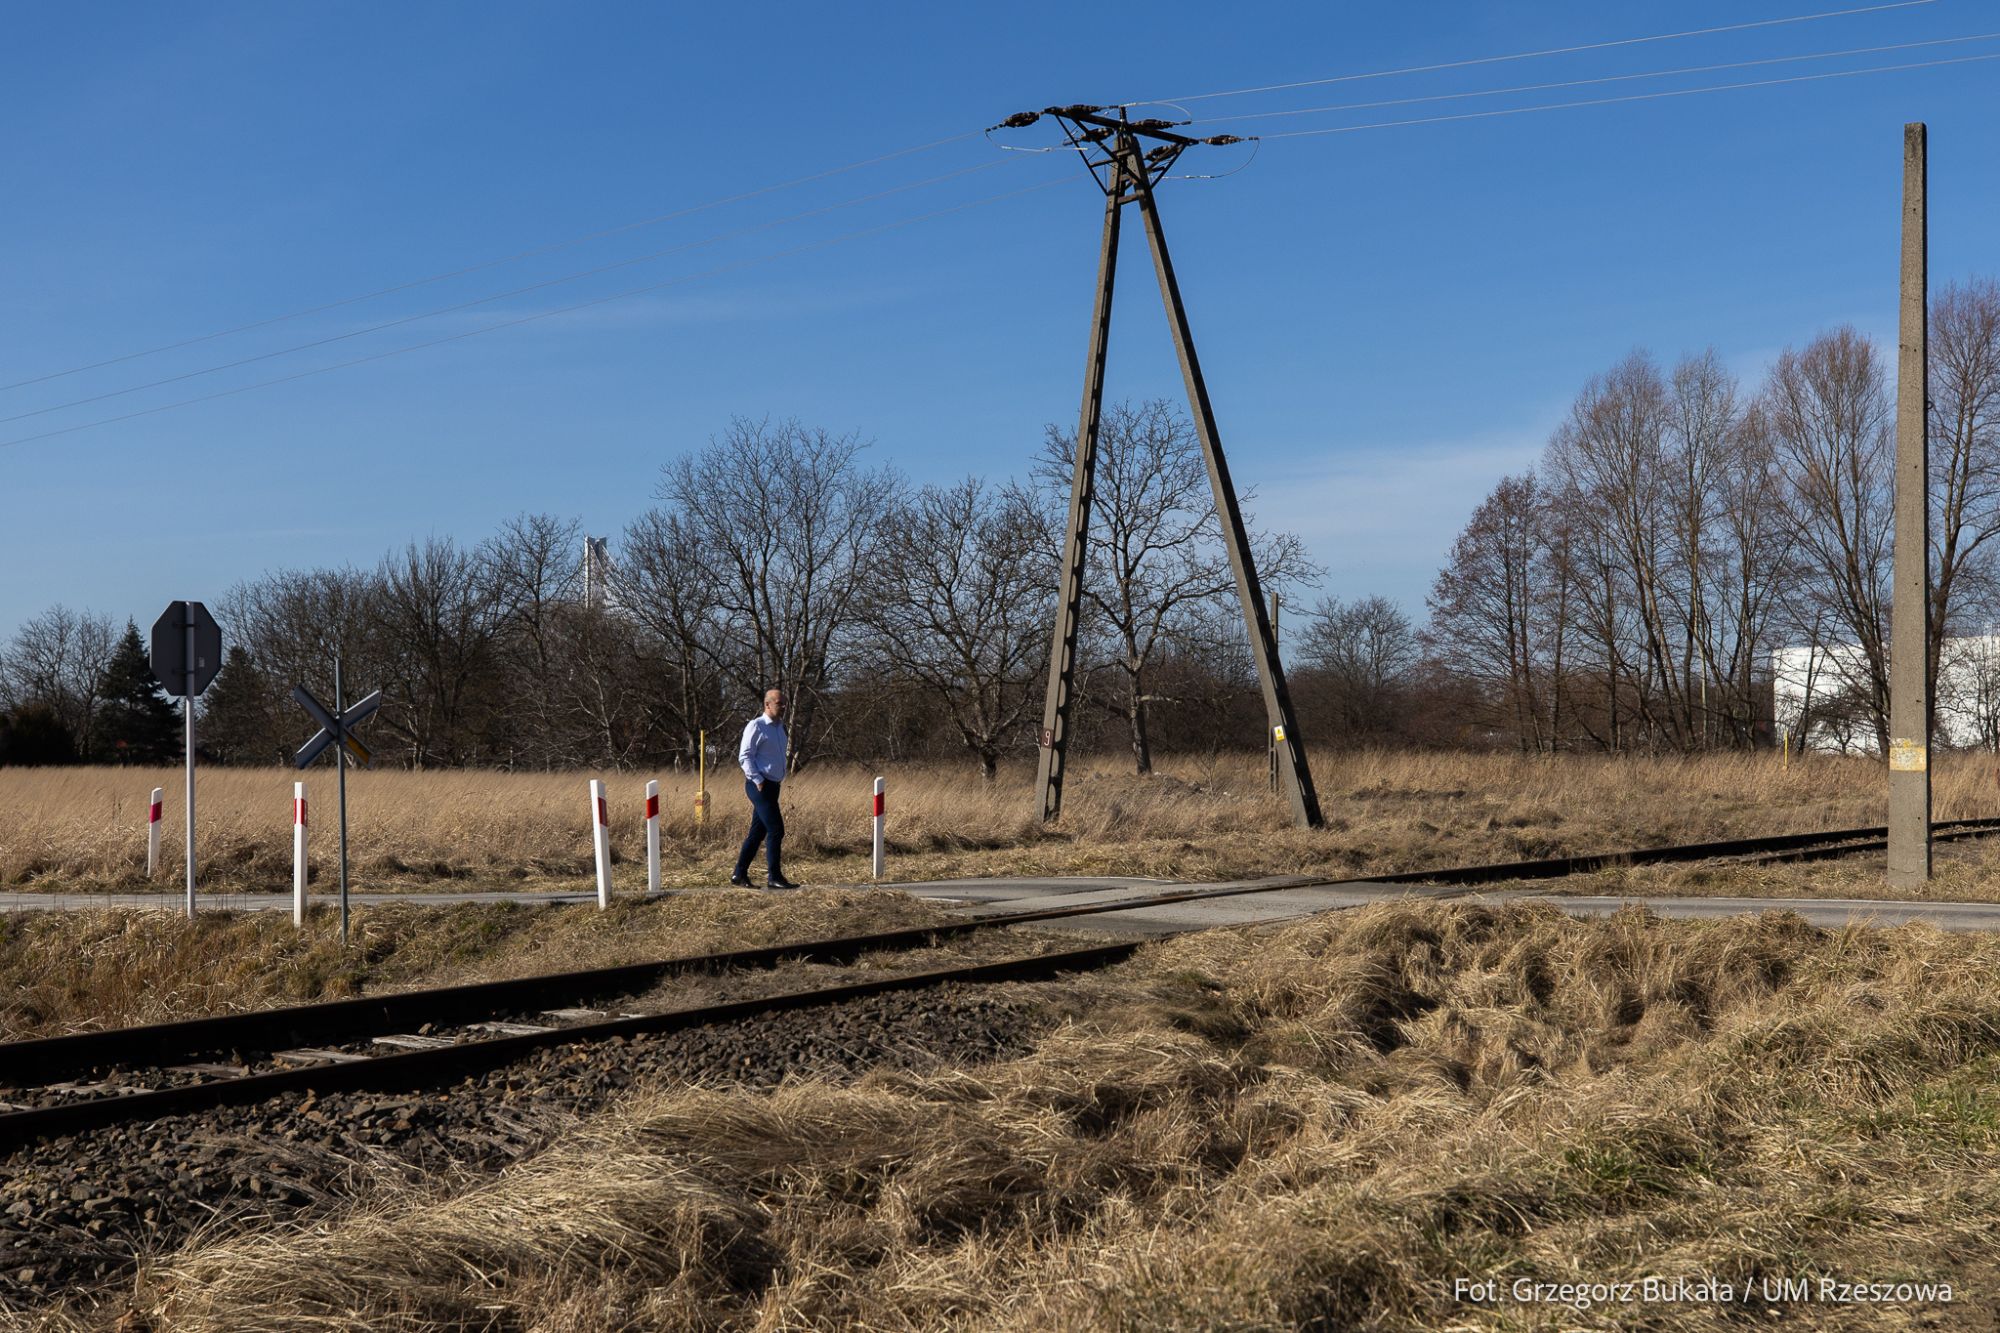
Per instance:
(762,755)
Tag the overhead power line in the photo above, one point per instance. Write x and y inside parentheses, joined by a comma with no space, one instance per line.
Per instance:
(1629,97)
(737,266)
(546,283)
(549,248)
(1531,55)
(1583,83)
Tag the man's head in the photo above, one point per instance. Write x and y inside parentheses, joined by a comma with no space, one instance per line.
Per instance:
(774,704)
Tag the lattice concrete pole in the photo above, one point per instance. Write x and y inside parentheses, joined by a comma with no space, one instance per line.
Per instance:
(1910,609)
(600,830)
(652,837)
(1076,529)
(1294,773)
(153,833)
(298,853)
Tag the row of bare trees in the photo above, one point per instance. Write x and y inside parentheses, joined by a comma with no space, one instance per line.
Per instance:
(1627,593)
(900,619)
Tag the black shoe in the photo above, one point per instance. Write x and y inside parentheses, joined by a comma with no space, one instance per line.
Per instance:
(779,882)
(741,880)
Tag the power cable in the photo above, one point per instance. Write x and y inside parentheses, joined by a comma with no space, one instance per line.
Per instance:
(1630,97)
(501,296)
(544,314)
(552,246)
(1532,55)
(1580,83)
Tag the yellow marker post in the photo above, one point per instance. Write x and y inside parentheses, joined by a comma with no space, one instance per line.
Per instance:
(701,788)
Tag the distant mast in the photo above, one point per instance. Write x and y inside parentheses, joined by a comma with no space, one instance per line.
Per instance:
(596,571)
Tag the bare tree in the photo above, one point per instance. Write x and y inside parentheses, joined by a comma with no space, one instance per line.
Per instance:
(1608,461)
(1484,609)
(601,691)
(535,572)
(1829,414)
(438,622)
(57,660)
(967,588)
(669,581)
(1155,545)
(795,521)
(1757,556)
(1964,423)
(293,622)
(1364,650)
(1702,435)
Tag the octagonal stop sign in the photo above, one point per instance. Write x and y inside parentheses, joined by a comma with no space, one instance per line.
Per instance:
(186,668)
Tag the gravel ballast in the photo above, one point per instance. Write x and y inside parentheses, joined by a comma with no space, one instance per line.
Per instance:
(78,1214)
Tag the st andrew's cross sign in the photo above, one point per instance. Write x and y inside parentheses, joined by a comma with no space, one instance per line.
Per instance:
(336,732)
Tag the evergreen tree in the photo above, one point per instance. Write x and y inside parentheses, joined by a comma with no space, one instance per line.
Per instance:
(239,721)
(136,722)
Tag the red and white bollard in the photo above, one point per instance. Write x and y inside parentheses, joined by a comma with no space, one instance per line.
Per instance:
(298,853)
(153,834)
(652,837)
(600,819)
(878,828)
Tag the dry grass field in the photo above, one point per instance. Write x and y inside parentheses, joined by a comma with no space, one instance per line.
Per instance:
(85,828)
(1327,1126)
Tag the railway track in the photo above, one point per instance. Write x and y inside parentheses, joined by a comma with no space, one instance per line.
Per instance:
(63,1085)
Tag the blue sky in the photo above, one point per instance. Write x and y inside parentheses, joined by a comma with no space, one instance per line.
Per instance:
(1390,318)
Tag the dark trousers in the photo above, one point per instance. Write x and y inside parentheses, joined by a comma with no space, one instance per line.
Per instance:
(767,825)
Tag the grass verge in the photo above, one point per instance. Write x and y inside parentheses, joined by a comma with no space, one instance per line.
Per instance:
(1331,1126)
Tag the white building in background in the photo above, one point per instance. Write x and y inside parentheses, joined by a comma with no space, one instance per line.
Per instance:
(1827,688)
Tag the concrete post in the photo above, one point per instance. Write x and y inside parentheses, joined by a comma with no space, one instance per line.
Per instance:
(652,838)
(299,853)
(878,827)
(1910,610)
(600,835)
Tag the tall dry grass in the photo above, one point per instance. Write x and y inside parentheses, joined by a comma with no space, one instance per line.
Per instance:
(1317,1128)
(85,827)
(74,971)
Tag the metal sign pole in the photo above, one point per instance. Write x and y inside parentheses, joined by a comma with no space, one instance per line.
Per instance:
(185,656)
(340,761)
(187,707)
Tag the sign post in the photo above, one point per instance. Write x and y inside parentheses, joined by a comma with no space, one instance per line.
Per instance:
(336,727)
(187,652)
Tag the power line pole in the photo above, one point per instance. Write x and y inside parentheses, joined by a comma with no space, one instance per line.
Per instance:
(1116,152)
(1082,489)
(1910,600)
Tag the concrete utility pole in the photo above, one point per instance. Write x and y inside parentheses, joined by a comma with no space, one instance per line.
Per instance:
(1910,597)
(1116,146)
(1083,486)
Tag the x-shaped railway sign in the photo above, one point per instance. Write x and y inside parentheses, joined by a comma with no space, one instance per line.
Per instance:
(332,727)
